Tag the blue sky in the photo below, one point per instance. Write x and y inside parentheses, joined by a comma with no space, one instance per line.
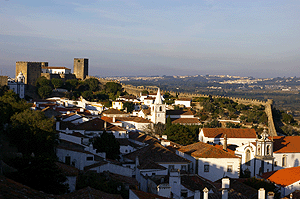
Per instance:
(166,37)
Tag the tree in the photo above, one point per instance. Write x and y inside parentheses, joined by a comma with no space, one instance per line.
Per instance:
(169,122)
(182,134)
(88,95)
(145,92)
(113,87)
(129,106)
(32,132)
(107,143)
(44,91)
(71,84)
(93,83)
(39,173)
(57,83)
(42,81)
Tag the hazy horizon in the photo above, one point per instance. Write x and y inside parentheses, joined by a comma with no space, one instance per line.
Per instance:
(146,38)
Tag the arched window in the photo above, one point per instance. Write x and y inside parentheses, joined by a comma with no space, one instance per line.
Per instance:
(268,150)
(258,150)
(284,161)
(248,156)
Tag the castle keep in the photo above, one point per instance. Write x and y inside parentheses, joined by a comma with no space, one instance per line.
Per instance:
(31,70)
(81,68)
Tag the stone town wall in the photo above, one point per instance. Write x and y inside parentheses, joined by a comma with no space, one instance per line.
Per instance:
(3,80)
(136,90)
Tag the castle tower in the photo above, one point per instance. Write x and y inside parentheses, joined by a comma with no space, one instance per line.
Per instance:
(31,70)
(158,110)
(81,68)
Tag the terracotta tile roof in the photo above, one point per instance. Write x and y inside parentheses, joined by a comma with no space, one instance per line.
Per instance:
(230,133)
(91,125)
(179,112)
(147,111)
(89,192)
(55,67)
(97,164)
(113,111)
(67,169)
(150,98)
(203,150)
(228,148)
(151,165)
(157,153)
(283,177)
(195,182)
(109,119)
(142,137)
(237,187)
(186,121)
(133,119)
(286,144)
(123,179)
(144,195)
(14,190)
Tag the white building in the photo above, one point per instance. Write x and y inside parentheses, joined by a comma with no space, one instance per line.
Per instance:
(56,70)
(211,162)
(18,85)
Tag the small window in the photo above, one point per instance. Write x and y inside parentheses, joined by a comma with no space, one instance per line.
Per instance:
(153,174)
(284,161)
(268,150)
(229,168)
(171,167)
(184,193)
(206,168)
(275,163)
(247,158)
(89,158)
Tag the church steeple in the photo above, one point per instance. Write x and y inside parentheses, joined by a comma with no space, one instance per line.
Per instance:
(158,97)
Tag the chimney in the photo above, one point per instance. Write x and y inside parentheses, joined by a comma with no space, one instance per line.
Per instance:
(57,126)
(197,194)
(205,193)
(225,187)
(261,193)
(114,119)
(225,143)
(271,195)
(105,125)
(291,196)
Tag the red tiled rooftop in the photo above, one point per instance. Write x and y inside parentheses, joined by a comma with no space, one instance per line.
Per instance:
(113,111)
(283,177)
(144,195)
(179,112)
(286,144)
(203,150)
(186,121)
(230,133)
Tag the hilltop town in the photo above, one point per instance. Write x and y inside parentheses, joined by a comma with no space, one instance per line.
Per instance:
(89,137)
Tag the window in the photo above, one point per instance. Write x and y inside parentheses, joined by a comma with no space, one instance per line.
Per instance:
(183,167)
(248,155)
(258,150)
(89,158)
(275,163)
(68,160)
(206,168)
(160,109)
(184,193)
(229,168)
(171,167)
(268,150)
(284,161)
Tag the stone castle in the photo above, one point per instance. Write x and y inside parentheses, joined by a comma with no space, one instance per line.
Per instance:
(33,70)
